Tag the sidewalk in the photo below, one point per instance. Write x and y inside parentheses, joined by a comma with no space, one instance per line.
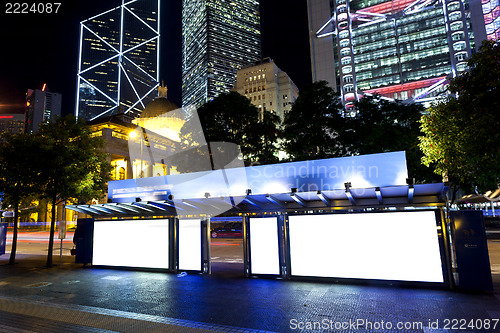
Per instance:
(69,298)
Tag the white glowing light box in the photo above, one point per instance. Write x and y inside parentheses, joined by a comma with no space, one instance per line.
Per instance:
(264,251)
(131,243)
(400,246)
(190,244)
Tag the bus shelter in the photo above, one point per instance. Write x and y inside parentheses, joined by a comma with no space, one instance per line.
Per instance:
(345,218)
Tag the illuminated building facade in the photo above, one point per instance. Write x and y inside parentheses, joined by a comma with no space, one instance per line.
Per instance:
(12,123)
(218,38)
(267,87)
(118,132)
(400,49)
(118,64)
(42,106)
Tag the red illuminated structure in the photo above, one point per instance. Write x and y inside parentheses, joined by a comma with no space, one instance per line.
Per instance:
(12,123)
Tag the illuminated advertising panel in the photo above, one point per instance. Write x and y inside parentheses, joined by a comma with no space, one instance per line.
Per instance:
(137,243)
(190,244)
(264,253)
(399,246)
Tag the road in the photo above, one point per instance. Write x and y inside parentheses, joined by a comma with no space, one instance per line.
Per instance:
(37,242)
(229,250)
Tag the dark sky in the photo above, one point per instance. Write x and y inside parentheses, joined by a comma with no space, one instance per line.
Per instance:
(43,48)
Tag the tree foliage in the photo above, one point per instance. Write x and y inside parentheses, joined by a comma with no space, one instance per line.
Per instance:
(72,167)
(60,161)
(462,133)
(385,126)
(313,125)
(18,174)
(227,122)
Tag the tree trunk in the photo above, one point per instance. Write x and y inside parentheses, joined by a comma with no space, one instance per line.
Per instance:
(12,259)
(52,229)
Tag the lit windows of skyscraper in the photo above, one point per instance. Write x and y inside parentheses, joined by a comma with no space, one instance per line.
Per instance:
(400,49)
(12,123)
(491,12)
(219,37)
(118,65)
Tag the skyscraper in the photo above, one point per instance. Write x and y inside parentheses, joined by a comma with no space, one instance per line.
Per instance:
(400,49)
(118,65)
(218,38)
(42,106)
(12,123)
(319,13)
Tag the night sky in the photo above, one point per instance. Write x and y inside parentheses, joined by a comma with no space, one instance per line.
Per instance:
(43,48)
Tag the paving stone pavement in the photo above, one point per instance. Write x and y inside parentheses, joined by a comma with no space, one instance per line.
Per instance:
(70,298)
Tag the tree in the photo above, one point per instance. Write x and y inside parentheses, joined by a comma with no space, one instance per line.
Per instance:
(18,174)
(72,165)
(313,125)
(270,135)
(384,126)
(227,122)
(462,133)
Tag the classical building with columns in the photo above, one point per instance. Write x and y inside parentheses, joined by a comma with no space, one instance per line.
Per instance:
(160,133)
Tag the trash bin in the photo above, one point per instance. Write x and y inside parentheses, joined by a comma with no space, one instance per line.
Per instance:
(471,250)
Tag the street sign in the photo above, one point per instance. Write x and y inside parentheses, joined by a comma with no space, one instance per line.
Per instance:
(62,229)
(8,214)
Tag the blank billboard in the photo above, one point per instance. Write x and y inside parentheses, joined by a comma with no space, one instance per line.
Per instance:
(264,253)
(190,244)
(399,246)
(131,243)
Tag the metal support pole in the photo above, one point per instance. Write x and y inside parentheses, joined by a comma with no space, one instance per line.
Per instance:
(205,246)
(246,249)
(285,245)
(448,247)
(174,244)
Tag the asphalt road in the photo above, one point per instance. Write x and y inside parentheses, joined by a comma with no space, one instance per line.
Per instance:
(37,242)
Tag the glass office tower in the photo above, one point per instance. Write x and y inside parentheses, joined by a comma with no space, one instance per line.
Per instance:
(400,49)
(218,38)
(118,64)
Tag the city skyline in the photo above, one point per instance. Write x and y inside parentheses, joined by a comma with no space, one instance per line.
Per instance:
(44,48)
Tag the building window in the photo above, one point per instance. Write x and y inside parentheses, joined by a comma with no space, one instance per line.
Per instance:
(347,79)
(345,61)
